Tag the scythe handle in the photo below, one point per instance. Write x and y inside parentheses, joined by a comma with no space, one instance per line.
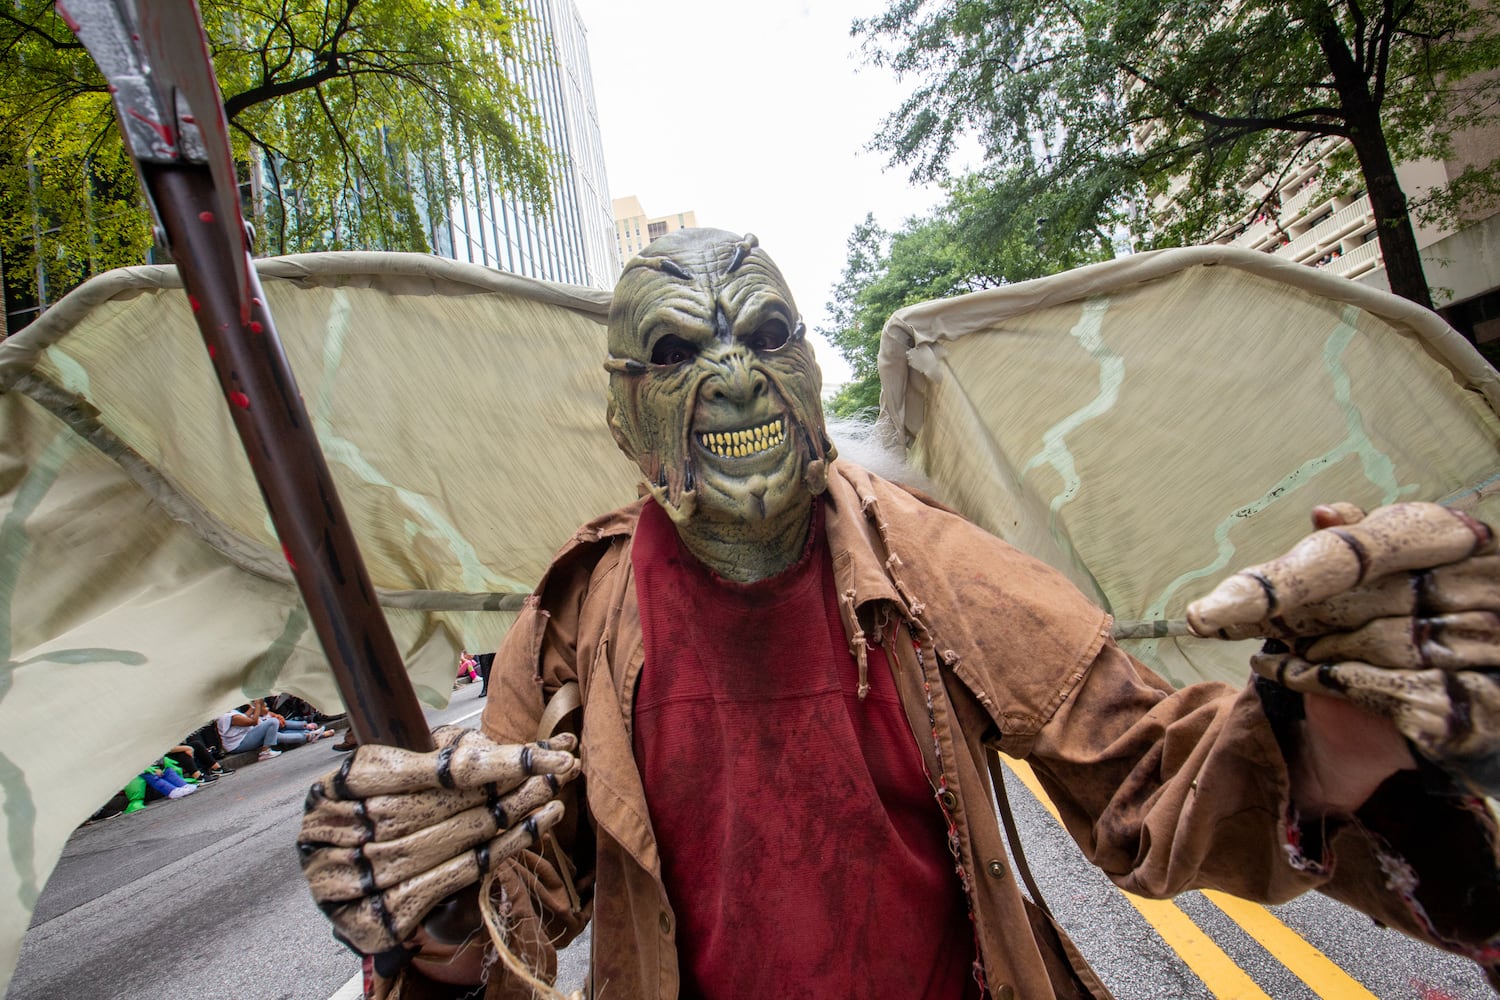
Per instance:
(289,467)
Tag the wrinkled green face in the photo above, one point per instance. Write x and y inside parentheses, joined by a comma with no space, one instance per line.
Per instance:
(713,389)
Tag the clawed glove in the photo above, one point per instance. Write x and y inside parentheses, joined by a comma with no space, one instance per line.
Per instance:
(392,832)
(1399,612)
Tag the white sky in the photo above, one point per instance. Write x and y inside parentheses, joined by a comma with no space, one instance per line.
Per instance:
(754,116)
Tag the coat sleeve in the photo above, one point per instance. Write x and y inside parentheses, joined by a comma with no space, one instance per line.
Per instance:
(1169,790)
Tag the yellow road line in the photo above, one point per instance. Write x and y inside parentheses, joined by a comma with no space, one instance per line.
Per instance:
(1307,963)
(1206,959)
(1198,951)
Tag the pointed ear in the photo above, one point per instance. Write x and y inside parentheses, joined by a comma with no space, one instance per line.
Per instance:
(612,417)
(816,477)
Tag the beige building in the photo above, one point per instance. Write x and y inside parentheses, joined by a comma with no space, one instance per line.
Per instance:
(1305,223)
(634,229)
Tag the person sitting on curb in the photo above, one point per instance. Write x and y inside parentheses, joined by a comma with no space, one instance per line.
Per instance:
(247,728)
(195,760)
(163,782)
(169,784)
(468,670)
(291,731)
(163,779)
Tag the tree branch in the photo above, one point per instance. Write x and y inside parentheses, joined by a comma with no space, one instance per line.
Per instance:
(1380,51)
(325,54)
(1314,119)
(29,29)
(271,91)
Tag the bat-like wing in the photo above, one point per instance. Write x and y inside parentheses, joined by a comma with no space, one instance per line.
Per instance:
(460,410)
(1151,424)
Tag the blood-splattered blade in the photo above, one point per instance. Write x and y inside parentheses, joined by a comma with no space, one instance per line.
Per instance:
(155,56)
(178,58)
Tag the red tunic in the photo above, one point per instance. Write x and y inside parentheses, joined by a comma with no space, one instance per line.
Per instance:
(801,847)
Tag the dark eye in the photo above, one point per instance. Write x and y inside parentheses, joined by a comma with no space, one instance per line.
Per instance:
(671,350)
(771,337)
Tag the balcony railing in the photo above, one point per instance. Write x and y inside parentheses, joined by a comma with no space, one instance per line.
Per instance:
(1365,257)
(1292,207)
(1353,215)
(1254,233)
(1346,220)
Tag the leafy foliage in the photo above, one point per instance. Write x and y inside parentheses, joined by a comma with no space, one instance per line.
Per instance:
(985,234)
(67,207)
(334,97)
(1186,105)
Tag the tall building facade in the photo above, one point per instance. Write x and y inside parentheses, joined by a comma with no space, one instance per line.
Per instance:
(1300,222)
(1303,221)
(634,229)
(570,240)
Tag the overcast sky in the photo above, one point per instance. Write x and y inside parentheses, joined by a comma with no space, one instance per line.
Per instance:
(755,116)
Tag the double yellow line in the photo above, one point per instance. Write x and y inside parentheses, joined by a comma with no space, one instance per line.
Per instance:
(1210,963)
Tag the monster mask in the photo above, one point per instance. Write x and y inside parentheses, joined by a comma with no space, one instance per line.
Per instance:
(714,391)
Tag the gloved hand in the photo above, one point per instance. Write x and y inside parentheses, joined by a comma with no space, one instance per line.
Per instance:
(392,832)
(1398,612)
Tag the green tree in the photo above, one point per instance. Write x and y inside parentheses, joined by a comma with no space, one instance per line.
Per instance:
(1211,97)
(334,97)
(991,229)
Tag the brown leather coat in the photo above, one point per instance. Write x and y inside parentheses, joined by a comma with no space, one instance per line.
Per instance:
(1165,790)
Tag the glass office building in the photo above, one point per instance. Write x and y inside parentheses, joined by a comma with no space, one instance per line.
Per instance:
(573,240)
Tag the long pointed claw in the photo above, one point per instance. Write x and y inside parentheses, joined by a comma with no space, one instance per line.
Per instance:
(342,823)
(1446,715)
(381,921)
(1470,585)
(1463,641)
(1401,537)
(470,761)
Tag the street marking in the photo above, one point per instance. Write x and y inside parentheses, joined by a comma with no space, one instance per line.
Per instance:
(352,990)
(465,718)
(1210,963)
(1291,949)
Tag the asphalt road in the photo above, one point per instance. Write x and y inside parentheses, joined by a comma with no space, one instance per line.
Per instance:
(199,897)
(1204,945)
(202,897)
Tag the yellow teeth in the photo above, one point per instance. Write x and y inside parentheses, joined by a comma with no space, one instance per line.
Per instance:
(742,444)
